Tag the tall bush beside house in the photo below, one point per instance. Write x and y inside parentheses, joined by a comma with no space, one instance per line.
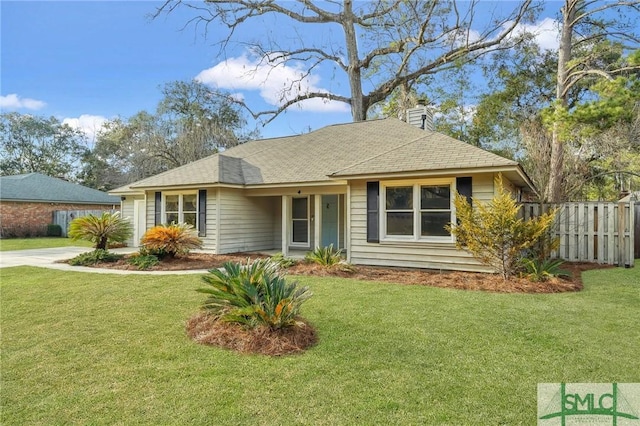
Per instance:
(171,240)
(101,230)
(494,234)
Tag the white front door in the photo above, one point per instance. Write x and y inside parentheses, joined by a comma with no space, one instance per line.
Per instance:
(139,221)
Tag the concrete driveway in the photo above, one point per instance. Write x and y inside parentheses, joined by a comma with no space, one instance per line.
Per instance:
(47,258)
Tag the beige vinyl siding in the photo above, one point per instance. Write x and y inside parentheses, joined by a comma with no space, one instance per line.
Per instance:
(430,255)
(126,208)
(151,209)
(246,223)
(277,223)
(482,186)
(209,240)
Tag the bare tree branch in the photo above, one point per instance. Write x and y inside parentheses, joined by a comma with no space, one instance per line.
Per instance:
(408,38)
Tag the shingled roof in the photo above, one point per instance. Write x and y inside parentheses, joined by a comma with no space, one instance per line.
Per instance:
(36,187)
(383,146)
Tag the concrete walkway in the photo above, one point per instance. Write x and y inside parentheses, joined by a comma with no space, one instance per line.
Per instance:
(47,257)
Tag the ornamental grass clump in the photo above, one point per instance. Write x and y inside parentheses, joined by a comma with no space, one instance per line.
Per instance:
(540,270)
(325,256)
(170,240)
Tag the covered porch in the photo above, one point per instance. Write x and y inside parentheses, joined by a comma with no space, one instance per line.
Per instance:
(310,221)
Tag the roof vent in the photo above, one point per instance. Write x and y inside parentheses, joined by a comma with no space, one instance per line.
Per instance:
(421,116)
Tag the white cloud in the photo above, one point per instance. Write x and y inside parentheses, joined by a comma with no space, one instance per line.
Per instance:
(13,101)
(89,124)
(546,32)
(276,82)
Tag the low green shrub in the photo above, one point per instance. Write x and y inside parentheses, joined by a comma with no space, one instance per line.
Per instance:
(541,270)
(325,256)
(95,256)
(282,261)
(253,294)
(54,230)
(157,252)
(143,261)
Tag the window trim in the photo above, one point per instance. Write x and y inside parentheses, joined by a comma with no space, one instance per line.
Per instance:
(181,195)
(308,219)
(417,210)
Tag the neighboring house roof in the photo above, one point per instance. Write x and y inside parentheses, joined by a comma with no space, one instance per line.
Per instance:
(385,146)
(37,187)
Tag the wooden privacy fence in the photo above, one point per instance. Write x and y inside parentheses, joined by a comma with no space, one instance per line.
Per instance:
(64,217)
(592,231)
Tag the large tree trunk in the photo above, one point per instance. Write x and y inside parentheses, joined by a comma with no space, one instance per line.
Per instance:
(554,192)
(358,110)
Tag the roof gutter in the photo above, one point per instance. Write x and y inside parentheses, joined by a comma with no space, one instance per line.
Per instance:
(444,172)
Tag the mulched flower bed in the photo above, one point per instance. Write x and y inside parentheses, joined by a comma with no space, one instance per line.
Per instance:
(445,279)
(455,280)
(205,329)
(184,263)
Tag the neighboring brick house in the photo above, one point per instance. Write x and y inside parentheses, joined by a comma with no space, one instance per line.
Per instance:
(27,202)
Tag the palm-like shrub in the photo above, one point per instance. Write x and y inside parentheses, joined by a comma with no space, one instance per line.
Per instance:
(110,227)
(253,294)
(177,238)
(325,256)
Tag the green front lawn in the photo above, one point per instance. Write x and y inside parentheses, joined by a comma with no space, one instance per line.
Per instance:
(38,243)
(111,349)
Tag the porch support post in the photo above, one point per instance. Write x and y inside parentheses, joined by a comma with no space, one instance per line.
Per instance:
(317,222)
(285,223)
(347,228)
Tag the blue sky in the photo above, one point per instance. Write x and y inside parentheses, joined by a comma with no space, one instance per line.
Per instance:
(87,61)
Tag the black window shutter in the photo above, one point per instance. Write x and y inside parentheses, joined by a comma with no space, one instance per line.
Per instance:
(202,213)
(158,209)
(373,228)
(464,187)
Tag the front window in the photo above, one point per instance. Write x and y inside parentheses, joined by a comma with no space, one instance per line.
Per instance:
(435,210)
(180,208)
(399,210)
(417,211)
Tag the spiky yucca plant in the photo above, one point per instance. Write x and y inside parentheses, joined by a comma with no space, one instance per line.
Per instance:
(177,238)
(325,256)
(110,227)
(541,270)
(253,294)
